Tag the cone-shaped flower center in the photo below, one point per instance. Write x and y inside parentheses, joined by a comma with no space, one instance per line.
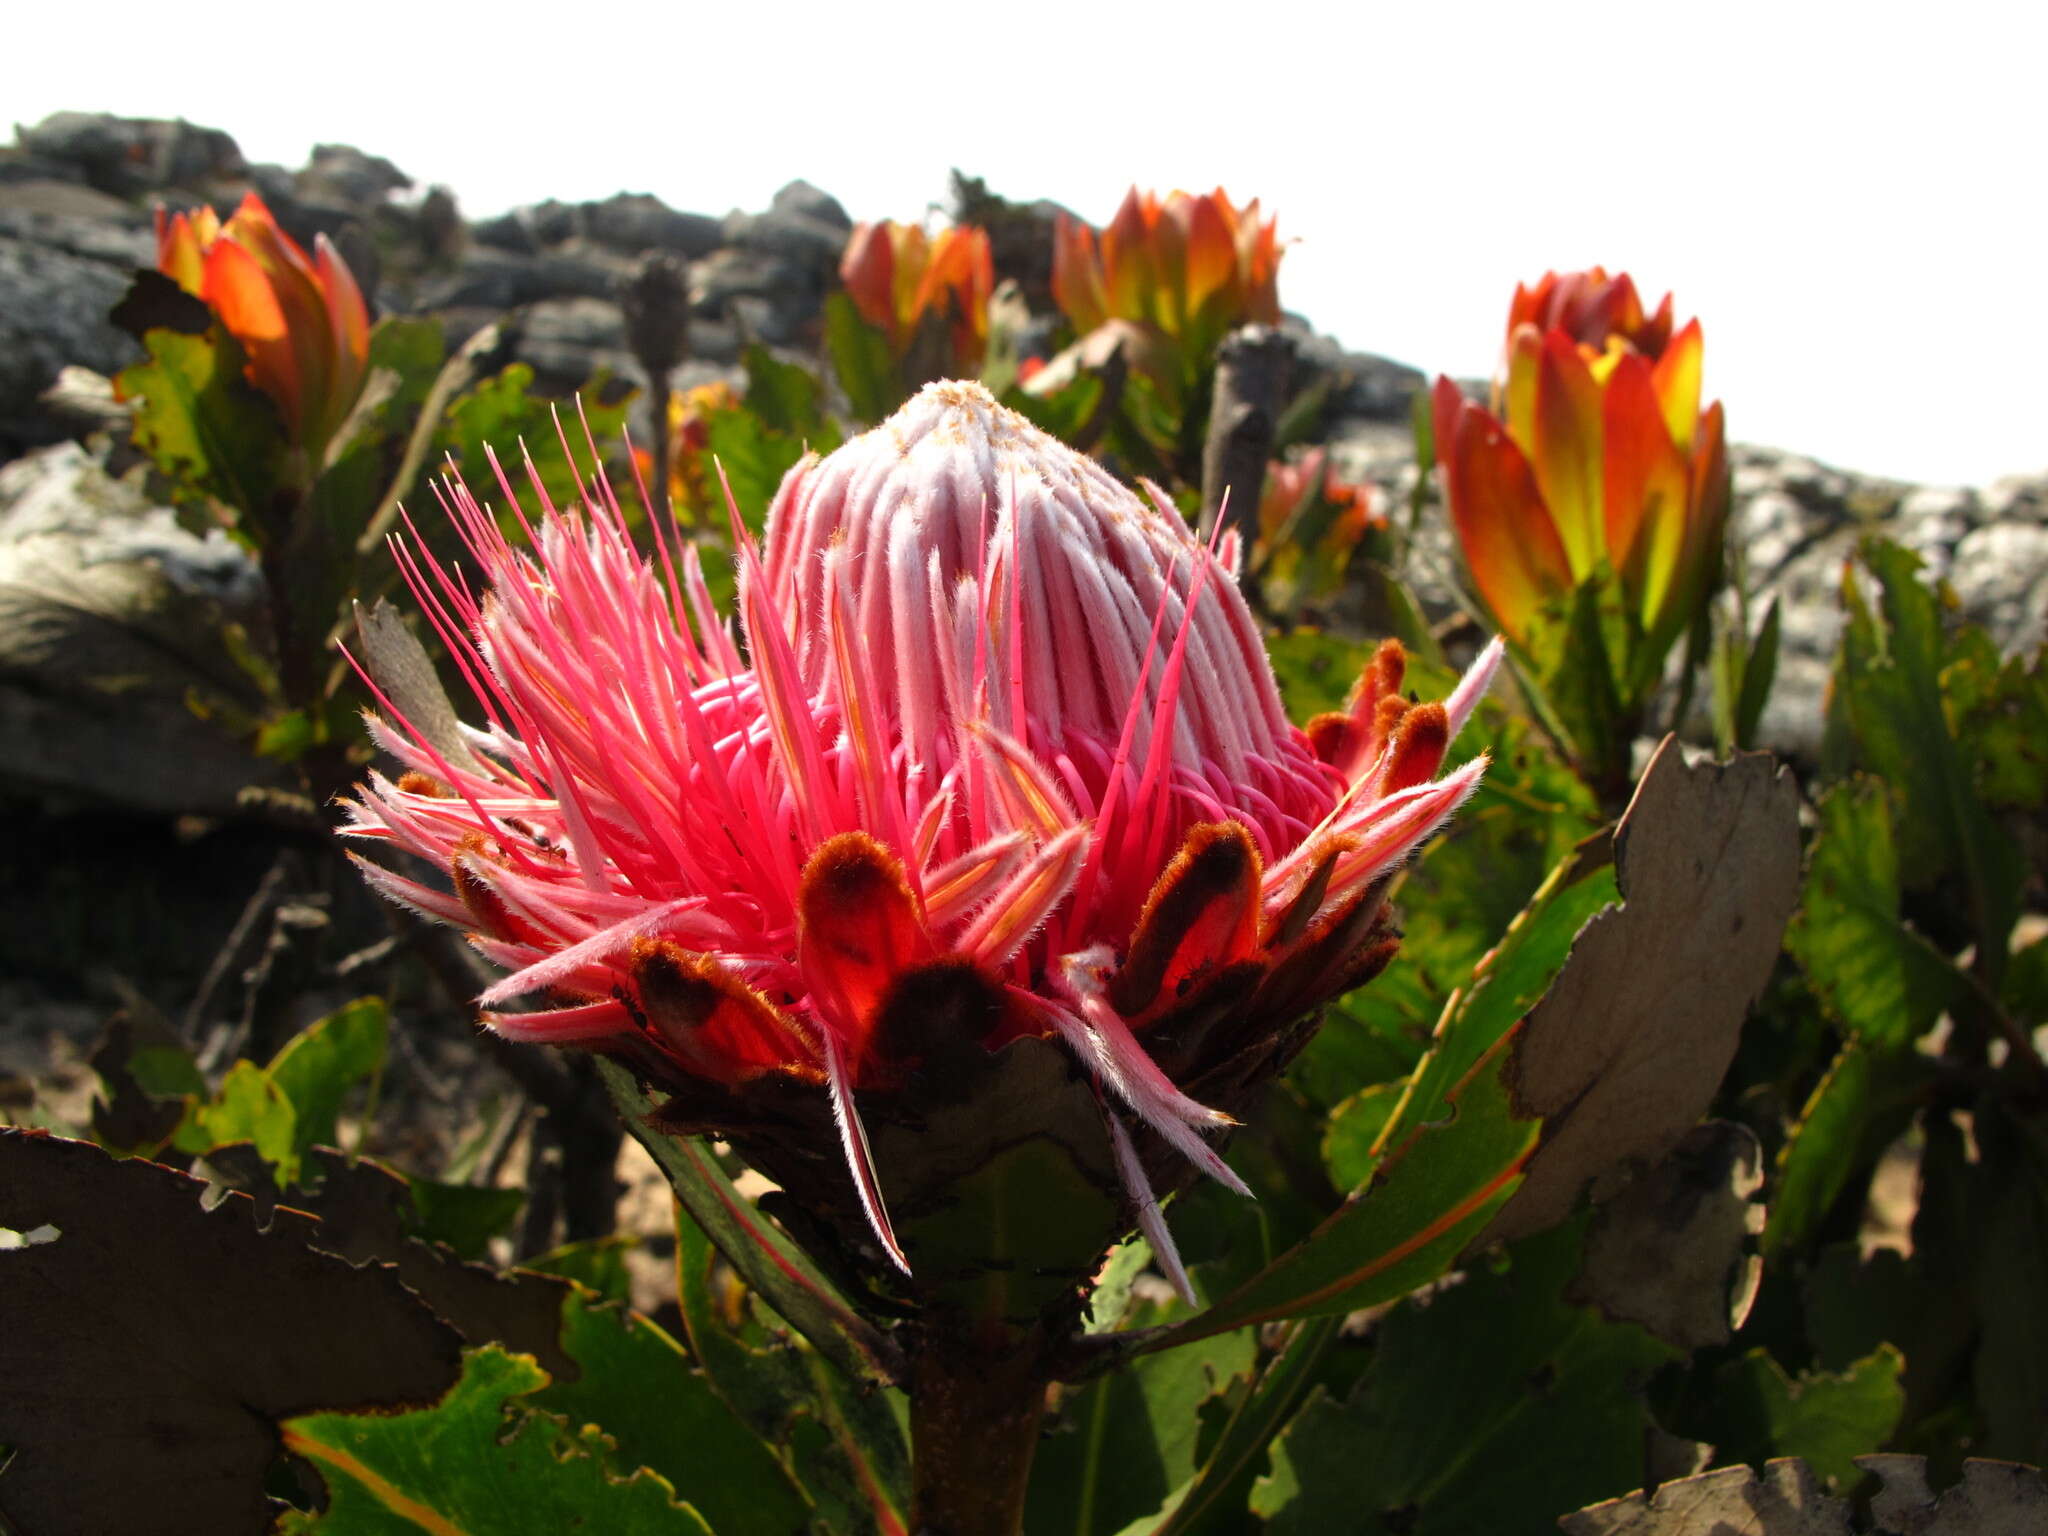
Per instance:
(996,578)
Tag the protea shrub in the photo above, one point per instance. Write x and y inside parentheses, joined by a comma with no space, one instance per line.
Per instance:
(967,891)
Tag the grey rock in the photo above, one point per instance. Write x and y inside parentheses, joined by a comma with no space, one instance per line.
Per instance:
(129,156)
(497,279)
(1933,520)
(2000,575)
(17,164)
(566,340)
(75,219)
(799,199)
(505,232)
(632,222)
(110,621)
(53,311)
(2023,498)
(797,225)
(1361,384)
(553,222)
(340,173)
(729,272)
(715,340)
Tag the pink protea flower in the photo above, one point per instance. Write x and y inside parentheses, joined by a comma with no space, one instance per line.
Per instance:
(1001,731)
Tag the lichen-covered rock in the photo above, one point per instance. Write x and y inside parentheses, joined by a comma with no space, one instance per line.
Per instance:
(110,634)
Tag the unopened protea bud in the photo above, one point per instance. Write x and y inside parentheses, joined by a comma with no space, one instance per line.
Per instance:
(995,844)
(300,319)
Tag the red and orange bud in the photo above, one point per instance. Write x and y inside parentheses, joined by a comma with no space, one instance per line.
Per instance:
(897,275)
(1596,458)
(1311,522)
(1190,267)
(300,320)
(1595,310)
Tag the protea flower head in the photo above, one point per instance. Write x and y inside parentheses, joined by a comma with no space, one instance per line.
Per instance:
(301,320)
(1596,457)
(897,275)
(999,763)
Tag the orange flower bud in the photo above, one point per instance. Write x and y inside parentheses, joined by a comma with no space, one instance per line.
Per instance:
(896,275)
(1596,455)
(1191,267)
(301,321)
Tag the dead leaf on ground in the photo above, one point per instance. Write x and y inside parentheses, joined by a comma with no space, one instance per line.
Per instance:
(1674,1251)
(151,1345)
(1994,1498)
(1624,1053)
(1788,1500)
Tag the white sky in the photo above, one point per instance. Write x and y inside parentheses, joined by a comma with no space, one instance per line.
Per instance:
(1851,197)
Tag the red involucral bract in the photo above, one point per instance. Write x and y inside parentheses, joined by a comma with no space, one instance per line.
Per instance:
(993,721)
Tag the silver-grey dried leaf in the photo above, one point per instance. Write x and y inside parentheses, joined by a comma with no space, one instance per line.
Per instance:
(1624,1053)
(399,665)
(1674,1250)
(1993,1498)
(1787,1500)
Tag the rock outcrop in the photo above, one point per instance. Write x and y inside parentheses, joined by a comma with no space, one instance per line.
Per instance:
(93,580)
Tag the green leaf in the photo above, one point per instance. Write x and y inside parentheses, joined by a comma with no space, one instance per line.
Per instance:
(860,357)
(777,1392)
(166,1071)
(1351,1144)
(639,1387)
(2026,985)
(464,1216)
(785,396)
(1221,1489)
(1437,1191)
(779,1272)
(1581,670)
(1757,1412)
(249,1107)
(598,1265)
(201,422)
(1488,1408)
(1865,1100)
(502,413)
(2000,710)
(754,457)
(1508,981)
(1126,1441)
(481,1461)
(1892,720)
(1316,670)
(1758,673)
(1875,976)
(293,1104)
(317,1067)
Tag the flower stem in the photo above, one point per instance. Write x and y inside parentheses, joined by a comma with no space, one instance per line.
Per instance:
(976,1398)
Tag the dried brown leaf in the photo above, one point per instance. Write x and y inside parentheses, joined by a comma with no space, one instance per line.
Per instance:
(1788,1500)
(151,1345)
(1674,1251)
(1623,1054)
(1994,1498)
(362,1207)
